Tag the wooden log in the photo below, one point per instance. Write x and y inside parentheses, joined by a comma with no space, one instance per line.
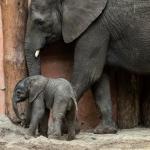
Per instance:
(2,85)
(14,15)
(127,100)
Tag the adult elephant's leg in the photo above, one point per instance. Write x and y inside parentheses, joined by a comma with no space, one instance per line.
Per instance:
(90,57)
(43,125)
(102,95)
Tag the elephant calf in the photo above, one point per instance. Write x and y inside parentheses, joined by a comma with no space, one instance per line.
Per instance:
(45,94)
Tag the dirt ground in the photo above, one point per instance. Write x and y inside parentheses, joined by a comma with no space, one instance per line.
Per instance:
(12,137)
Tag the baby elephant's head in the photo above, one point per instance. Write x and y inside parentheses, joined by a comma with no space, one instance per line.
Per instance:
(21,93)
(28,88)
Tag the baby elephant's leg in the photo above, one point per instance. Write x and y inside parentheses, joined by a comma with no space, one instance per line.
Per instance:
(71,123)
(58,112)
(27,120)
(43,125)
(57,127)
(38,111)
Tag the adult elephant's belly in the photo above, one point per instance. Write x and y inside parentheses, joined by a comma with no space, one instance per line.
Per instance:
(131,48)
(133,56)
(130,37)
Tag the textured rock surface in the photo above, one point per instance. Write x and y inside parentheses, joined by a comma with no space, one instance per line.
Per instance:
(13,138)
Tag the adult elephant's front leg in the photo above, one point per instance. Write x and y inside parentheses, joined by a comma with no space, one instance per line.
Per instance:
(101,91)
(90,57)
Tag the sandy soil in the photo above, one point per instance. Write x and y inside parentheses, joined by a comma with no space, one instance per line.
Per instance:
(12,137)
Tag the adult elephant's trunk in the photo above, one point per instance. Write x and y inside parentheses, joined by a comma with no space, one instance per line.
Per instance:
(34,41)
(33,63)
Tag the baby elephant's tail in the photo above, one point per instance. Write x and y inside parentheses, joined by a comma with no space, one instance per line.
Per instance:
(75,103)
(74,100)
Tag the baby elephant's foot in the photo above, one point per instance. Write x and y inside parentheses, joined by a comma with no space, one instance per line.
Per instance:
(77,128)
(43,132)
(105,129)
(29,135)
(71,134)
(57,135)
(70,137)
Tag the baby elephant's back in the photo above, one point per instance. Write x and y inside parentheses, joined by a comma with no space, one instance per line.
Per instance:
(64,87)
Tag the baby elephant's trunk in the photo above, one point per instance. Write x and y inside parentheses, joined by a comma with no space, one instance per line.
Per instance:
(16,108)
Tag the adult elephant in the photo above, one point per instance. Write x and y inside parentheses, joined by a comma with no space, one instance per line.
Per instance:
(114,32)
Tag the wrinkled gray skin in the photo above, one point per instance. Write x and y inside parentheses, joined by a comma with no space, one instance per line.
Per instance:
(45,94)
(113,32)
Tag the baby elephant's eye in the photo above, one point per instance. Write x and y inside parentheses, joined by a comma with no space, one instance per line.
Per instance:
(18,93)
(39,22)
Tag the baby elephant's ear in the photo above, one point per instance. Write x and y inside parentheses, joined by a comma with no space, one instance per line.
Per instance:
(78,15)
(37,87)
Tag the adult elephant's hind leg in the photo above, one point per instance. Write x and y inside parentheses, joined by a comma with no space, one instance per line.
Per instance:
(102,95)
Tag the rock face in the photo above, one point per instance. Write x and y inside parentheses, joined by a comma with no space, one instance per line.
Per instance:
(12,137)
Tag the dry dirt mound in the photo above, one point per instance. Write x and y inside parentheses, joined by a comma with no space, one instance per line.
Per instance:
(12,137)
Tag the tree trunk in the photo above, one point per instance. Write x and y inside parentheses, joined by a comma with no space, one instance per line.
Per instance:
(127,100)
(14,15)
